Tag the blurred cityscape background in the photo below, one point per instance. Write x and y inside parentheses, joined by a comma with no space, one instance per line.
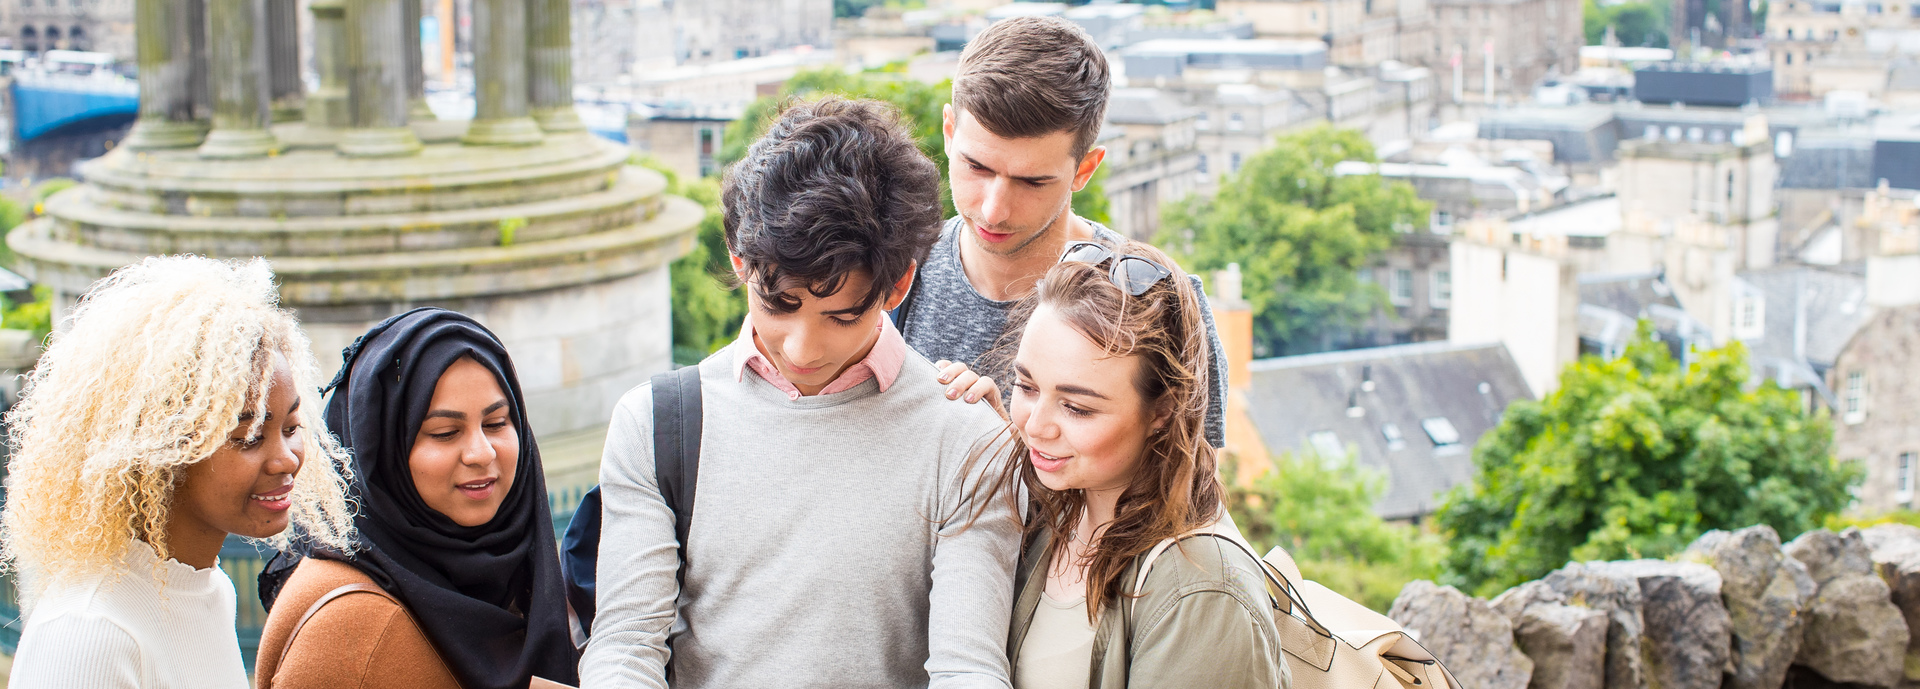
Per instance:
(1503,283)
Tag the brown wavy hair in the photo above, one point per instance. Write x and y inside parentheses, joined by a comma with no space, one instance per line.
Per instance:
(1175,488)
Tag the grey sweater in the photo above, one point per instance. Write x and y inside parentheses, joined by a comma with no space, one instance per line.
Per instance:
(826,546)
(951,320)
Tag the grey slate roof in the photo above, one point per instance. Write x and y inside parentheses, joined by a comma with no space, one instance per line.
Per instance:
(1146,106)
(1834,308)
(1291,398)
(1628,293)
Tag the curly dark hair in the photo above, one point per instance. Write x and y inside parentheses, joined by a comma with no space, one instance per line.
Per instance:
(835,187)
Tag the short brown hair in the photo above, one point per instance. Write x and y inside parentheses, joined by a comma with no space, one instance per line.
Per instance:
(1033,76)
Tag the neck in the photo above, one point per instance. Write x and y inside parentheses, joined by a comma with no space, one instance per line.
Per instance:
(1101,504)
(811,390)
(193,543)
(1005,277)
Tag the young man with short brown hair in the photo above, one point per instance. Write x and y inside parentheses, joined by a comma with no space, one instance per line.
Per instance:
(1028,104)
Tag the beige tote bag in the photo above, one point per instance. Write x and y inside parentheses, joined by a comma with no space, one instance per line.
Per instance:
(1330,642)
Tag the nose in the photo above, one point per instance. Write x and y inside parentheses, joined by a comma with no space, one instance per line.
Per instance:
(287,455)
(802,348)
(479,450)
(1040,424)
(995,206)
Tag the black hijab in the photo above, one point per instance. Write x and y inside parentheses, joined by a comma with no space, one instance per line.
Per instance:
(489,597)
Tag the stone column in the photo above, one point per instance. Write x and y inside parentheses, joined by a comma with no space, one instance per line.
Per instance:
(327,106)
(377,81)
(283,59)
(550,64)
(240,97)
(500,75)
(416,64)
(201,75)
(164,41)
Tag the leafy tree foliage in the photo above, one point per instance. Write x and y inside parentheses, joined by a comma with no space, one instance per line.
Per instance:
(1635,24)
(1299,233)
(706,313)
(1636,457)
(1321,510)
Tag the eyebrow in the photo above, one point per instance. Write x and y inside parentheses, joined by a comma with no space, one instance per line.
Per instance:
(1041,179)
(1069,389)
(460,415)
(248,416)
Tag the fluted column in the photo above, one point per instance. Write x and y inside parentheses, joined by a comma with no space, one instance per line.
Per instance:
(501,115)
(377,81)
(327,106)
(416,64)
(550,64)
(283,59)
(239,81)
(163,39)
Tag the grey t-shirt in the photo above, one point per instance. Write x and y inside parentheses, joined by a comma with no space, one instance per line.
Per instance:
(950,320)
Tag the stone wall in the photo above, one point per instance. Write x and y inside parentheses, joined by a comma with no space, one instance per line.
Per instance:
(1737,610)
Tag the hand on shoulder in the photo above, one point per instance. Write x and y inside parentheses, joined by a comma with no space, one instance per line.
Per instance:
(968,385)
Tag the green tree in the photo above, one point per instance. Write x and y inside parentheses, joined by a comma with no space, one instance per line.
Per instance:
(1635,24)
(1300,234)
(1636,457)
(1321,511)
(706,311)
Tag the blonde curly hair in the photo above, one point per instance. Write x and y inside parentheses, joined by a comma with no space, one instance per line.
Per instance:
(153,369)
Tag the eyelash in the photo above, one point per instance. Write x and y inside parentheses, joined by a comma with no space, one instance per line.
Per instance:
(1026,388)
(497,425)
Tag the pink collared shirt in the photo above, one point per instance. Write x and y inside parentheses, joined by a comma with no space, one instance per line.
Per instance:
(882,364)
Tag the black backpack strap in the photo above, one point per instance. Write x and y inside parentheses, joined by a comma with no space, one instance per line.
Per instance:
(676,463)
(676,448)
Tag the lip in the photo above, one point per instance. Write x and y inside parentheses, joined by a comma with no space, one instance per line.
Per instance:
(991,237)
(275,500)
(480,490)
(804,371)
(1044,463)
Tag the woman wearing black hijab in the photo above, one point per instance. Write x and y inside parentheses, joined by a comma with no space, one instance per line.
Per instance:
(457,577)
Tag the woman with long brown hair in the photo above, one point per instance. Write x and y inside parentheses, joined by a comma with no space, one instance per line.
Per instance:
(1109,407)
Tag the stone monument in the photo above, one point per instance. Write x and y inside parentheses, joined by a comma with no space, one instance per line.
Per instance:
(367,206)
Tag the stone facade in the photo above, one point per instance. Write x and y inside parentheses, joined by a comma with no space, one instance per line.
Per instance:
(1876,383)
(721,30)
(1360,33)
(98,25)
(1823,45)
(1530,39)
(1153,160)
(1417,275)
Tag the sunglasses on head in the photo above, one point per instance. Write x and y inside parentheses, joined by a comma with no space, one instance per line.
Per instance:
(1135,274)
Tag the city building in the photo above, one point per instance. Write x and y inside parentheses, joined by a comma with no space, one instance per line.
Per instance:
(1412,412)
(1516,43)
(686,140)
(1234,122)
(1152,157)
(1358,33)
(720,30)
(1818,46)
(96,25)
(1519,290)
(1416,275)
(1876,377)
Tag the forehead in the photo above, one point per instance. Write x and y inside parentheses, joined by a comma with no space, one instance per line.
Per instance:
(1022,157)
(853,287)
(1053,351)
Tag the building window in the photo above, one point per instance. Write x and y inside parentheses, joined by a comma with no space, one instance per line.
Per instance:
(1203,122)
(1789,59)
(1440,431)
(1233,161)
(1202,167)
(1652,133)
(1235,122)
(1402,286)
(1442,293)
(1903,479)
(1391,433)
(1856,397)
(1327,444)
(1752,323)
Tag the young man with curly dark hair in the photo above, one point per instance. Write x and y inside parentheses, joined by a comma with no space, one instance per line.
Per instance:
(832,542)
(1028,103)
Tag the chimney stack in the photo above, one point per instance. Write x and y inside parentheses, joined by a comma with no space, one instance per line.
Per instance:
(1233,319)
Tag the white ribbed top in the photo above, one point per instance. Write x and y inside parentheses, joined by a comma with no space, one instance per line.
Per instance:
(130,628)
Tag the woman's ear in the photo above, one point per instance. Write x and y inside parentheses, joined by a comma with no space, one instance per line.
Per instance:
(1162,416)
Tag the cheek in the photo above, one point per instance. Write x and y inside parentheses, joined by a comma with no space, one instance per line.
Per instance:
(432,468)
(1114,448)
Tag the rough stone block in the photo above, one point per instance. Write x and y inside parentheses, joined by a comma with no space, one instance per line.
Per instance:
(1465,633)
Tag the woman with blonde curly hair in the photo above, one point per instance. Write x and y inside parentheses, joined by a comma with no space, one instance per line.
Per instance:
(179,405)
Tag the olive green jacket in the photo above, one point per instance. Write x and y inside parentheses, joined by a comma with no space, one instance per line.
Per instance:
(1205,620)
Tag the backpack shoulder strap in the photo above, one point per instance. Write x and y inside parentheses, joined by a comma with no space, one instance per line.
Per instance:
(676,448)
(329,597)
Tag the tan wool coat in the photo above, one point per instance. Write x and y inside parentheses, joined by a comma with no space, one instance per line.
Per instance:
(355,641)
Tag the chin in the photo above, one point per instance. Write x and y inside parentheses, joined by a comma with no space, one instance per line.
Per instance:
(1054,482)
